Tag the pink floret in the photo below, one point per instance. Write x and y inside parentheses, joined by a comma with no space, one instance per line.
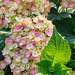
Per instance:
(33,71)
(64,4)
(5,23)
(16,27)
(9,41)
(22,41)
(49,31)
(5,1)
(71,5)
(37,59)
(33,42)
(17,1)
(27,54)
(33,8)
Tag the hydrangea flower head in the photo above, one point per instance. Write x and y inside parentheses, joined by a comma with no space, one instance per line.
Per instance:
(12,11)
(68,6)
(24,46)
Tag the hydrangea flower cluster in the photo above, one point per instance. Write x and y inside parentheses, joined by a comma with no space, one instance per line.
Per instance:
(23,48)
(13,10)
(69,5)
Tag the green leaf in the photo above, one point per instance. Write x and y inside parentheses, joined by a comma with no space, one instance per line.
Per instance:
(73,56)
(41,74)
(60,69)
(7,70)
(60,73)
(54,15)
(71,64)
(66,28)
(3,34)
(57,50)
(71,40)
(73,15)
(44,66)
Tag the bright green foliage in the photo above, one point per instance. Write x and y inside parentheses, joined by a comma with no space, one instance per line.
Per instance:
(44,66)
(66,28)
(57,50)
(60,69)
(41,74)
(54,56)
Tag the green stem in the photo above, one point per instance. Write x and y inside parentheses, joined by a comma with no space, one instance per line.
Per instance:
(58,3)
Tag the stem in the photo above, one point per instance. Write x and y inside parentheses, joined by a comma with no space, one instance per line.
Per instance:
(5,70)
(58,4)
